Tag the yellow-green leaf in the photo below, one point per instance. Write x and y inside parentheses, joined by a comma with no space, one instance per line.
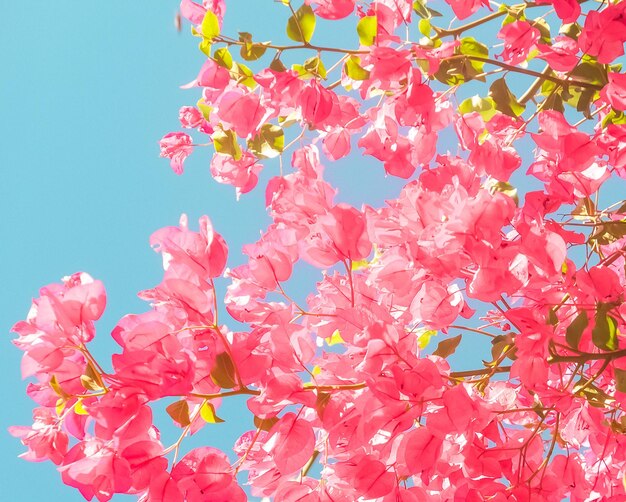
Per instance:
(223,373)
(485,106)
(620,379)
(301,26)
(205,47)
(56,387)
(179,411)
(60,406)
(204,108)
(505,188)
(269,143)
(472,47)
(207,412)
(79,409)
(423,338)
(604,333)
(210,27)
(575,330)
(359,264)
(226,142)
(354,70)
(89,383)
(315,67)
(335,338)
(367,28)
(244,75)
(504,99)
(223,58)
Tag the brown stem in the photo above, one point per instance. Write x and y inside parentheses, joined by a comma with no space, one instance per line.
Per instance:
(294,47)
(587,357)
(238,392)
(532,90)
(482,371)
(309,464)
(473,330)
(330,388)
(525,71)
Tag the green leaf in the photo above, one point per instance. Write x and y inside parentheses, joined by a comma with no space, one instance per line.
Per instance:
(179,411)
(543,27)
(552,319)
(367,28)
(301,26)
(447,347)
(354,70)
(485,106)
(614,117)
(571,30)
(205,46)
(456,71)
(265,424)
(620,379)
(504,99)
(210,27)
(421,10)
(575,330)
(223,373)
(226,142)
(604,333)
(204,108)
(508,190)
(56,387)
(513,13)
(277,65)
(223,58)
(472,47)
(269,143)
(312,67)
(250,51)
(207,412)
(244,74)
(591,73)
(609,232)
(424,27)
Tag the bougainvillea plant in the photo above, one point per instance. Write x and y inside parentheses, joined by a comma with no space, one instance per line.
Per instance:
(350,394)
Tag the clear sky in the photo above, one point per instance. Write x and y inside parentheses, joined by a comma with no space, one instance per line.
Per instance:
(88,89)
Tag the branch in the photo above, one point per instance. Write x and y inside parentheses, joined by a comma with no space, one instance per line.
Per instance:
(583,358)
(525,71)
(483,371)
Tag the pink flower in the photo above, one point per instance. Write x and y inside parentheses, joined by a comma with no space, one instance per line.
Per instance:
(243,174)
(45,439)
(465,8)
(615,91)
(604,33)
(334,9)
(190,117)
(519,39)
(95,469)
(176,146)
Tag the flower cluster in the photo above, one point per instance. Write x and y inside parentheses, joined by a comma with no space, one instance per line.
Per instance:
(347,394)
